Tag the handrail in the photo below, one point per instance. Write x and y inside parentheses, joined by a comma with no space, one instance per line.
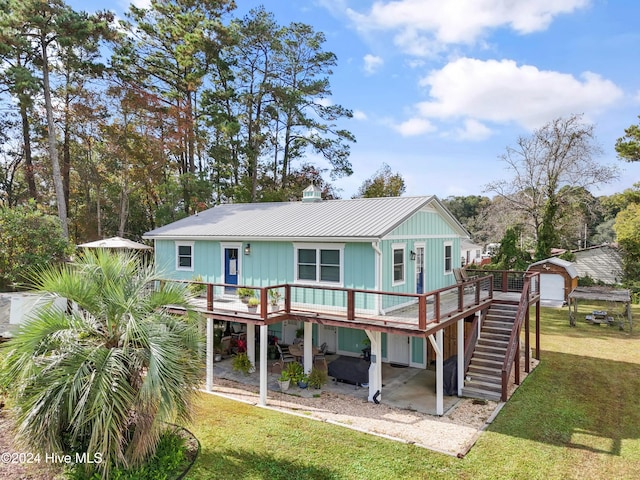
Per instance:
(421,299)
(514,339)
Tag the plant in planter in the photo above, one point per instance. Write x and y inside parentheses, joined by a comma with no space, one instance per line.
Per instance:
(300,332)
(284,380)
(274,298)
(303,381)
(245,294)
(295,371)
(197,289)
(241,363)
(317,377)
(252,304)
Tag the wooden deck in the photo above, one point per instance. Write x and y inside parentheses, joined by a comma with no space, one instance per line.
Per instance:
(410,314)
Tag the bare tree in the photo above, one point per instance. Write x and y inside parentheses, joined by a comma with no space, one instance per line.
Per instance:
(547,166)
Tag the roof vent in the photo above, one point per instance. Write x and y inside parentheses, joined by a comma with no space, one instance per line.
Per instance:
(311,194)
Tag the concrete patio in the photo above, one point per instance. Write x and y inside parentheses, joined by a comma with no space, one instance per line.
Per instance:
(405,387)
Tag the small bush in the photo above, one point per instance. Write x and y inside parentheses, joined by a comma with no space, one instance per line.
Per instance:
(169,460)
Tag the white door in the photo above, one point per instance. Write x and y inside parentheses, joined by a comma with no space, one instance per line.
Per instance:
(328,335)
(398,349)
(552,287)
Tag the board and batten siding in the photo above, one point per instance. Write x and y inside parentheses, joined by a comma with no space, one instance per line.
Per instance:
(426,227)
(270,263)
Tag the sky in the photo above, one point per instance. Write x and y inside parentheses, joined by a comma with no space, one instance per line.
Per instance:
(439,89)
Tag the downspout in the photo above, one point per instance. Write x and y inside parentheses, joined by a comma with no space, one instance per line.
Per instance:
(378,274)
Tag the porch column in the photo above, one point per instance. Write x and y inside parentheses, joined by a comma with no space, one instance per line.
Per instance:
(436,343)
(251,343)
(308,346)
(209,350)
(460,356)
(262,401)
(375,368)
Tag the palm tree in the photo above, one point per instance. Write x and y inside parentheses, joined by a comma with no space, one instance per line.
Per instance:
(105,374)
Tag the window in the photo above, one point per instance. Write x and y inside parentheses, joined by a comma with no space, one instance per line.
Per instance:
(448,267)
(398,264)
(184,256)
(321,264)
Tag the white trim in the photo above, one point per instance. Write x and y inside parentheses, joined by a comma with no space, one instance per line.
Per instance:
(444,258)
(318,247)
(421,237)
(185,244)
(423,246)
(394,247)
(225,245)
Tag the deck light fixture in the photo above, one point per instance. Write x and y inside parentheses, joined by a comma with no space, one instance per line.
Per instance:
(247,249)
(413,255)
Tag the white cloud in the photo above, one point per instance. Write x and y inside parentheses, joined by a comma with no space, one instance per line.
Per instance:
(414,126)
(503,92)
(372,63)
(473,130)
(423,26)
(359,115)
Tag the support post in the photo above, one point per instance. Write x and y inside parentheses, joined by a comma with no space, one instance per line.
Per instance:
(460,365)
(375,368)
(209,353)
(251,343)
(308,346)
(263,364)
(436,343)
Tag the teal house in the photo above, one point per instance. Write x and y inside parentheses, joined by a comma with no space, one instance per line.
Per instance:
(351,272)
(400,245)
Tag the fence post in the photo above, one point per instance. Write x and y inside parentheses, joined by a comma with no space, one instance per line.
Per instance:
(422,312)
(351,304)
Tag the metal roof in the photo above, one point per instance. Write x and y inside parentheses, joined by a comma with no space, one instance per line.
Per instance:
(568,266)
(354,219)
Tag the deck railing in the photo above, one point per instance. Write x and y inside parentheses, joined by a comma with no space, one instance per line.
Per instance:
(503,280)
(403,310)
(530,289)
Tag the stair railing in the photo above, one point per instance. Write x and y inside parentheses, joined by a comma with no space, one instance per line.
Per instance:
(513,348)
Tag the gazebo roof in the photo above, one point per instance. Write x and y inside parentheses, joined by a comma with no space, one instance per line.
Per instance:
(606,294)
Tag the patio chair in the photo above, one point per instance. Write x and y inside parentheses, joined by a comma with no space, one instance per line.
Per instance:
(285,357)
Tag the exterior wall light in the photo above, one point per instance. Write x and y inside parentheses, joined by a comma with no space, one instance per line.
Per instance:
(412,255)
(247,249)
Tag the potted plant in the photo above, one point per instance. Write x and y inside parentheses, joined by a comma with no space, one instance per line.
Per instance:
(303,381)
(295,371)
(252,304)
(317,378)
(198,289)
(284,380)
(241,363)
(245,294)
(274,299)
(300,332)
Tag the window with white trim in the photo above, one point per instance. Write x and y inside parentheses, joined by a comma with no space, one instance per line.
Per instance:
(184,256)
(398,258)
(448,257)
(319,264)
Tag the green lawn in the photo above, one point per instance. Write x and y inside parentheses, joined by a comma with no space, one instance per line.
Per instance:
(576,416)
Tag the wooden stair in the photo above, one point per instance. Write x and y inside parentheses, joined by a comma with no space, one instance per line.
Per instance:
(484,376)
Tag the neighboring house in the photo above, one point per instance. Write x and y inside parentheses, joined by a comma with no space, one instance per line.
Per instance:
(602,263)
(350,272)
(557,279)
(470,253)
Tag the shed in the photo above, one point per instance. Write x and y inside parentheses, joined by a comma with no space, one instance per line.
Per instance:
(557,279)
